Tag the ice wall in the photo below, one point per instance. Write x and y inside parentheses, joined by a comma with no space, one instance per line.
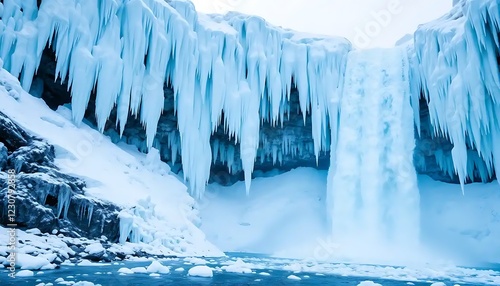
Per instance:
(233,70)
(456,68)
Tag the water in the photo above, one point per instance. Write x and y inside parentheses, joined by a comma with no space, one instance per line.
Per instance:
(279,270)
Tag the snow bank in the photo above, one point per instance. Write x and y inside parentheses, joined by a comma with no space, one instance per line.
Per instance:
(94,248)
(26,261)
(285,217)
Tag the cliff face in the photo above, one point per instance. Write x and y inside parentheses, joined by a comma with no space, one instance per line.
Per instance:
(281,147)
(45,197)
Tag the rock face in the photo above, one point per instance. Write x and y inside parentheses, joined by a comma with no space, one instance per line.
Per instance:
(45,198)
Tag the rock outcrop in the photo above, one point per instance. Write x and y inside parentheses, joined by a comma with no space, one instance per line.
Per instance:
(46,198)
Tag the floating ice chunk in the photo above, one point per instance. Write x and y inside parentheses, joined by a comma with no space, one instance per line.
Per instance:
(196,260)
(125,270)
(157,267)
(139,270)
(368,283)
(201,271)
(239,266)
(24,273)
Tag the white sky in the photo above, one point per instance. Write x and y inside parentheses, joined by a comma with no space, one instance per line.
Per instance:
(366,23)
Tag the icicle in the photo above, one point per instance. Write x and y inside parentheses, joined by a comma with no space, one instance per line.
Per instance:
(63,201)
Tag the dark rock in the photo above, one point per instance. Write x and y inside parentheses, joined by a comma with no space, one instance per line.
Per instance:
(76,249)
(28,158)
(46,198)
(96,257)
(11,135)
(3,156)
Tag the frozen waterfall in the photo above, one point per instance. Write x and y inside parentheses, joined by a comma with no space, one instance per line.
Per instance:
(372,190)
(235,72)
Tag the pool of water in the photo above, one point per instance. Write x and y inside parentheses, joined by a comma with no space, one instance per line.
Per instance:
(277,272)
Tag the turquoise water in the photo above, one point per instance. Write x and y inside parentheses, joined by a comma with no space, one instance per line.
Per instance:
(107,274)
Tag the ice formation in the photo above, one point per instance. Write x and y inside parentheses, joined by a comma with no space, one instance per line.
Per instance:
(232,71)
(235,72)
(457,70)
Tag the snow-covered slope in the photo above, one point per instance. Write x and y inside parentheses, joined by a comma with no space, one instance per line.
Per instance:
(158,210)
(283,216)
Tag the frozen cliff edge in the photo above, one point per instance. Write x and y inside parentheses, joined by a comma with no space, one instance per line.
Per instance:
(456,69)
(224,70)
(73,181)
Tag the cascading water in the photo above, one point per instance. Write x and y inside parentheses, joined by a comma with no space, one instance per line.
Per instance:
(372,193)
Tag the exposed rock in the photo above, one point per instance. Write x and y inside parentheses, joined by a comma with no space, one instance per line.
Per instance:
(11,135)
(3,156)
(46,198)
(96,257)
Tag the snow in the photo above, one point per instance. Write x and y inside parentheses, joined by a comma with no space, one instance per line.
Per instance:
(30,262)
(86,262)
(94,248)
(201,271)
(285,217)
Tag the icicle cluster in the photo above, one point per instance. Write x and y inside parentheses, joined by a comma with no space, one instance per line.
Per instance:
(233,71)
(457,68)
(236,72)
